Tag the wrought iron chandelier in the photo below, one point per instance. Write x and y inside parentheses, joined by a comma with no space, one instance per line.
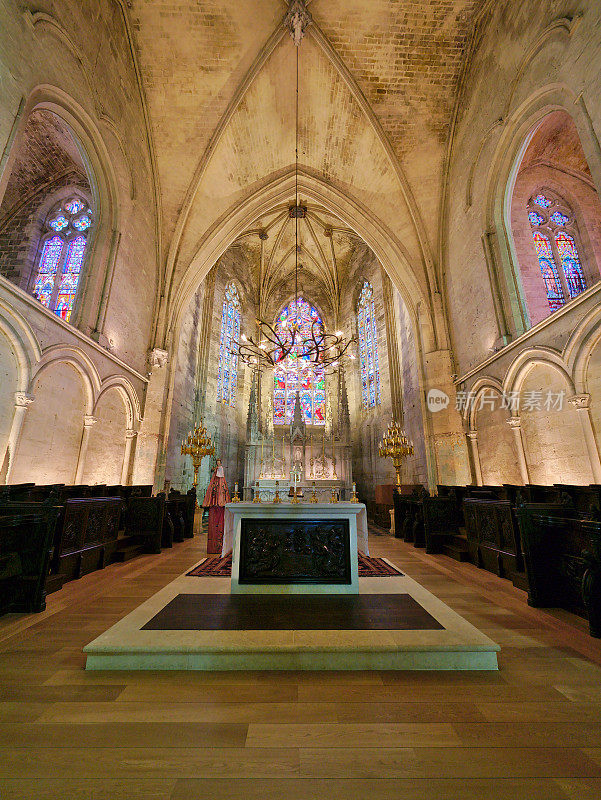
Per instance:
(320,350)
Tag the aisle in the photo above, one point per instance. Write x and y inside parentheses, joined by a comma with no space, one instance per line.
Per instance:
(532,731)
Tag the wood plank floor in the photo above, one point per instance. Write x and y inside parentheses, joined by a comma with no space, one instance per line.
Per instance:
(532,731)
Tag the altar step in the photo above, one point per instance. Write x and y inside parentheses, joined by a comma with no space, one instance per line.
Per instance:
(167,632)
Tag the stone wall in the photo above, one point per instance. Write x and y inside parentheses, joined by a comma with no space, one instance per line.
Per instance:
(76,60)
(195,383)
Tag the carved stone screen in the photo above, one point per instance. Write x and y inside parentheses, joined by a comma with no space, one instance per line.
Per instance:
(283,551)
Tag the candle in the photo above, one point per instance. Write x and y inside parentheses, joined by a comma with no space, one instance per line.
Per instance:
(354,487)
(236,489)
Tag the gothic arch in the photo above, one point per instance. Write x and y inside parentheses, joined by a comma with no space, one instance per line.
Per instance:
(23,341)
(128,395)
(517,134)
(100,252)
(82,364)
(389,251)
(470,408)
(527,360)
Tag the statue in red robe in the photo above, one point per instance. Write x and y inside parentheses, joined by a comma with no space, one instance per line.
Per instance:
(216,497)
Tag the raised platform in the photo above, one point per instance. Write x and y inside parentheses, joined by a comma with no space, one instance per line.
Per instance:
(394,623)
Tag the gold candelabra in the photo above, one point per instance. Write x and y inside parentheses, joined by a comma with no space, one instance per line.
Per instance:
(197,446)
(396,445)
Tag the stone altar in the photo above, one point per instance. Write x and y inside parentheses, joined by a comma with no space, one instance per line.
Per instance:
(318,551)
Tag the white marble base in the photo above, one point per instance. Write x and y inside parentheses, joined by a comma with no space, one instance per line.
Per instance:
(355,513)
(460,646)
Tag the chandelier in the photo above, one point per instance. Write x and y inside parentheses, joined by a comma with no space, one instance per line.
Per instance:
(198,445)
(396,445)
(269,347)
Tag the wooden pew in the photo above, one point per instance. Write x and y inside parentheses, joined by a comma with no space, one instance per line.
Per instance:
(88,535)
(143,523)
(493,537)
(26,535)
(443,526)
(562,554)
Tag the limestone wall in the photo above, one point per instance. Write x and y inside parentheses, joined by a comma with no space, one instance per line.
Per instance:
(73,62)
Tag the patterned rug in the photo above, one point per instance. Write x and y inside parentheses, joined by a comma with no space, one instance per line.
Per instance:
(221,567)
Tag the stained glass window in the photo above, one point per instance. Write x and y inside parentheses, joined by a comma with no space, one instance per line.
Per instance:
(558,218)
(552,225)
(295,372)
(47,270)
(368,348)
(568,254)
(61,259)
(229,339)
(549,271)
(70,278)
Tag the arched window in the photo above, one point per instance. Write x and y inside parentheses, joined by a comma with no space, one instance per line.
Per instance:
(367,334)
(554,234)
(229,339)
(295,374)
(63,250)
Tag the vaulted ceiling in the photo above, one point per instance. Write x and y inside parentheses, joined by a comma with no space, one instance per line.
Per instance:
(403,56)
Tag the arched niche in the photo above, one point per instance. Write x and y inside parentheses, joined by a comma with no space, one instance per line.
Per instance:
(496,442)
(48,169)
(553,165)
(106,446)
(593,387)
(51,436)
(9,384)
(554,442)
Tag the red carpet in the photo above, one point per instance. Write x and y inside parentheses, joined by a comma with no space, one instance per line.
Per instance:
(221,567)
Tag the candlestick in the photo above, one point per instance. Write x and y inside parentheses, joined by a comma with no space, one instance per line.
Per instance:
(313,495)
(198,445)
(235,498)
(354,498)
(262,442)
(396,445)
(334,475)
(277,498)
(273,454)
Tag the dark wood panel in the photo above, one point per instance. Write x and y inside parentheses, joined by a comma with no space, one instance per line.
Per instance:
(214,612)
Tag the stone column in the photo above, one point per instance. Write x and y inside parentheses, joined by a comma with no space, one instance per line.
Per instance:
(22,402)
(150,452)
(88,422)
(130,441)
(582,403)
(472,437)
(515,423)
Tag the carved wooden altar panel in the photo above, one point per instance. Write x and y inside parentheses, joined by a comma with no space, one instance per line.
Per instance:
(305,551)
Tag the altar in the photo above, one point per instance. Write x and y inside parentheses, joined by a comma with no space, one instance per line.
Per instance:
(295,548)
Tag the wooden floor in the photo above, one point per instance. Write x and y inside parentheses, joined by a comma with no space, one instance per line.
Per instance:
(530,732)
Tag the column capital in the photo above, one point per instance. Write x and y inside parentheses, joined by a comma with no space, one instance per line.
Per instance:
(130,433)
(157,358)
(23,399)
(580,401)
(89,420)
(473,435)
(514,422)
